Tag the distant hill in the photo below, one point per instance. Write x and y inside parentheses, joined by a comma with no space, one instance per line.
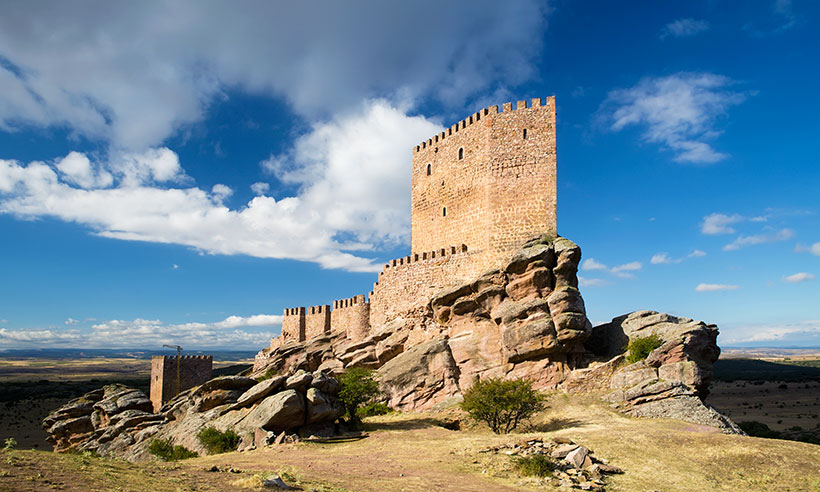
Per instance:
(77,353)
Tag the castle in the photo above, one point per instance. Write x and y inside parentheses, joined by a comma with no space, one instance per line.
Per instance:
(171,375)
(480,189)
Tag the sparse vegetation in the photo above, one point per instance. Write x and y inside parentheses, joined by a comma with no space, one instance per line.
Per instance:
(536,465)
(502,404)
(373,408)
(216,441)
(9,444)
(640,348)
(164,450)
(358,388)
(268,374)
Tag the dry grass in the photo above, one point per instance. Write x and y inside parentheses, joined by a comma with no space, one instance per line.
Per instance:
(411,452)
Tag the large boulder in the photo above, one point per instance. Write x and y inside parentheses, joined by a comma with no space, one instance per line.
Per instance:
(283,411)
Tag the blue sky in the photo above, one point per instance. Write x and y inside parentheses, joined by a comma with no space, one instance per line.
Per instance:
(177,174)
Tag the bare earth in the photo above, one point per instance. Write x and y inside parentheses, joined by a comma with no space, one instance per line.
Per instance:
(777,404)
(409,452)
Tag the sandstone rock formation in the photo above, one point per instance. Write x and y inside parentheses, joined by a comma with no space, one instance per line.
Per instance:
(117,421)
(525,320)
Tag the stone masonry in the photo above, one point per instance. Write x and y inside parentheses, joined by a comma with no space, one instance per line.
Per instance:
(479,189)
(193,371)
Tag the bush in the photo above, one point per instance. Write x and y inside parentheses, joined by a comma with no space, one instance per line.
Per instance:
(373,408)
(358,388)
(10,443)
(640,348)
(268,374)
(164,450)
(502,404)
(218,442)
(536,465)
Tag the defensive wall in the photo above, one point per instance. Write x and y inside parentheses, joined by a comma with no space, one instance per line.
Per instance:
(193,371)
(486,184)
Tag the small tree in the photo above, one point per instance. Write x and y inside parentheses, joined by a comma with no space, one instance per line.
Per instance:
(218,442)
(164,450)
(502,404)
(358,388)
(640,348)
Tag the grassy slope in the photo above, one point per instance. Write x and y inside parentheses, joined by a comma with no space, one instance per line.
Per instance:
(409,452)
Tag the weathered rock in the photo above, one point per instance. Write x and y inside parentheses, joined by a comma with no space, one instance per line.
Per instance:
(326,384)
(238,383)
(577,456)
(299,381)
(421,376)
(322,408)
(282,411)
(259,391)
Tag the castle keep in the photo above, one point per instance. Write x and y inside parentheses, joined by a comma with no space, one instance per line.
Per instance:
(480,189)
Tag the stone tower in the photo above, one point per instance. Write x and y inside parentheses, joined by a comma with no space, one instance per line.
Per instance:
(193,371)
(487,182)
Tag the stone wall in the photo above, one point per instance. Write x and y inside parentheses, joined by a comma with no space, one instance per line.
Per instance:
(293,325)
(352,316)
(410,282)
(193,371)
(317,321)
(487,182)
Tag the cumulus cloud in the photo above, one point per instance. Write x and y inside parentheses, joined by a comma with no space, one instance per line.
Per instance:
(682,28)
(351,173)
(715,287)
(720,223)
(592,282)
(124,74)
(768,237)
(71,321)
(260,188)
(798,277)
(234,331)
(813,249)
(678,111)
(665,259)
(623,271)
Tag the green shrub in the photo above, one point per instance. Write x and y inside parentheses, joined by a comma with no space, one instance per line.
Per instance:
(268,374)
(10,443)
(640,348)
(358,388)
(536,465)
(502,404)
(218,442)
(373,408)
(164,450)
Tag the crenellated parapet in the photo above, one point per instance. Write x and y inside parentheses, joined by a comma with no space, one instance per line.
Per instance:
(351,316)
(475,118)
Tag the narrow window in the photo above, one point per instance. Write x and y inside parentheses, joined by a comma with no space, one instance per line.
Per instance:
(525,133)
(444,212)
(429,169)
(461,153)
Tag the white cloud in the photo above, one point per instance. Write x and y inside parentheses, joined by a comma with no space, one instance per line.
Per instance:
(593,264)
(715,287)
(125,74)
(71,321)
(260,188)
(665,259)
(682,28)
(813,249)
(234,331)
(798,277)
(678,111)
(592,282)
(799,332)
(175,267)
(76,168)
(220,192)
(718,223)
(742,241)
(353,196)
(622,271)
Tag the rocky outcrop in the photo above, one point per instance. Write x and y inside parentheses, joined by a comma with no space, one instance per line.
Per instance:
(524,320)
(117,421)
(527,320)
(672,380)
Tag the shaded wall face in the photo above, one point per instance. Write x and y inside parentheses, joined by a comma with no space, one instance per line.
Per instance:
(317,321)
(193,371)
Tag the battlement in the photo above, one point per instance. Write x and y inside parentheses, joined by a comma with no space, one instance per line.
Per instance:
(349,302)
(475,118)
(184,357)
(416,257)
